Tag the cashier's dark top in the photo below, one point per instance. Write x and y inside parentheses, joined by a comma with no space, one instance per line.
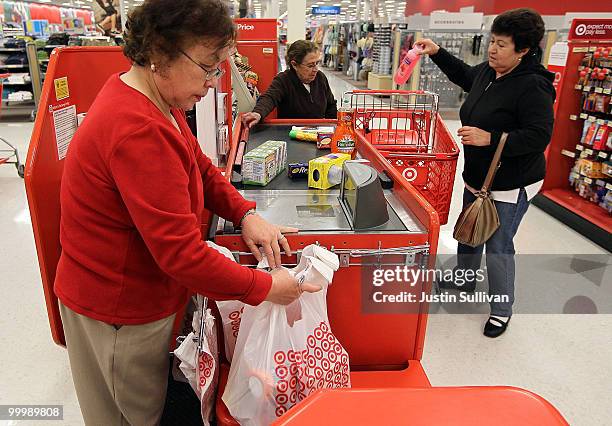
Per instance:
(519,103)
(288,94)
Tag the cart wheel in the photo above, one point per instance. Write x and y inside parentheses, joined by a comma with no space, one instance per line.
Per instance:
(33,115)
(21,170)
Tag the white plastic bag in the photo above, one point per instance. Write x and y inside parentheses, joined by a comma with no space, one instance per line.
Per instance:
(231,314)
(229,310)
(276,365)
(200,358)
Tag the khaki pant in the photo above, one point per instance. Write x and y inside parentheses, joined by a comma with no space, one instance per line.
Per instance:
(120,372)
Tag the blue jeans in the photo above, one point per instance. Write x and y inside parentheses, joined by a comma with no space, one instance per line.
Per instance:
(499,251)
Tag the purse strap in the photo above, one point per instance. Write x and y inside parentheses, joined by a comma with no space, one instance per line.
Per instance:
(494,163)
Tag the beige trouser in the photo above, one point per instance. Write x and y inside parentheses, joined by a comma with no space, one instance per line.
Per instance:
(120,372)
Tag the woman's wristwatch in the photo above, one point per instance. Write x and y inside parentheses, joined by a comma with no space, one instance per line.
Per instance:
(248,213)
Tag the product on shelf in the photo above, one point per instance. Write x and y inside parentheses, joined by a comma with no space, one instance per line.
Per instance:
(591,175)
(601,137)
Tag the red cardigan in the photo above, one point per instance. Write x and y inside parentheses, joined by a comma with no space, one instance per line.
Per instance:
(133,194)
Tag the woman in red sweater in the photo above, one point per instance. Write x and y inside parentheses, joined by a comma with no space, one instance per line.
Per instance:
(133,194)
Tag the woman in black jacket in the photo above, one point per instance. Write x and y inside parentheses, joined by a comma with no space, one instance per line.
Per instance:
(302,91)
(510,93)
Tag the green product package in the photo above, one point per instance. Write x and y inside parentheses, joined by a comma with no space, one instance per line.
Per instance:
(264,163)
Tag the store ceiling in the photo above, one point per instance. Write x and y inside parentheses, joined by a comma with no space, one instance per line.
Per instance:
(348,8)
(86,4)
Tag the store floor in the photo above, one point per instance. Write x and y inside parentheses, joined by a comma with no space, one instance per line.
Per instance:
(564,358)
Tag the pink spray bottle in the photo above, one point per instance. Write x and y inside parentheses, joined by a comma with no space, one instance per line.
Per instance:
(410,60)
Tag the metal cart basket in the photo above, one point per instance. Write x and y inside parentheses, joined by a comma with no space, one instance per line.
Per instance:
(405,127)
(8,153)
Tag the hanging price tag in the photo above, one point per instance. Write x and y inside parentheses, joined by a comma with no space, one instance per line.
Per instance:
(583,116)
(579,147)
(599,90)
(573,117)
(609,186)
(588,151)
(603,155)
(588,180)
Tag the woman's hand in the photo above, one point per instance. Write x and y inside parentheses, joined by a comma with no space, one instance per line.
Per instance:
(285,288)
(428,46)
(474,136)
(250,119)
(257,232)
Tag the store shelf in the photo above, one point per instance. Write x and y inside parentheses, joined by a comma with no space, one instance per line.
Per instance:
(586,116)
(13,66)
(28,83)
(581,215)
(588,150)
(11,49)
(10,102)
(559,197)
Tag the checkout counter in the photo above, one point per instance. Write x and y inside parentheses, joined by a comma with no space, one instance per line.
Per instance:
(385,349)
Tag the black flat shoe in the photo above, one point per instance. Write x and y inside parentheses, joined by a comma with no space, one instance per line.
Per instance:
(493,328)
(450,285)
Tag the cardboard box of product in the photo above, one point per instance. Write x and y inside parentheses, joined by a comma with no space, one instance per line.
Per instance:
(264,163)
(319,170)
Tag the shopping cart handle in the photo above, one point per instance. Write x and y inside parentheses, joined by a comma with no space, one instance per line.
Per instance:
(389,92)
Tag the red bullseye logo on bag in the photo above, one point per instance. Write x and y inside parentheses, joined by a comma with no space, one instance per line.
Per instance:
(235,317)
(324,364)
(205,369)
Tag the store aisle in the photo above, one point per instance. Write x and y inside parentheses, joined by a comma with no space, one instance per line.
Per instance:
(34,369)
(563,358)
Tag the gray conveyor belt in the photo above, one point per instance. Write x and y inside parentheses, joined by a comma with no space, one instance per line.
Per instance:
(290,202)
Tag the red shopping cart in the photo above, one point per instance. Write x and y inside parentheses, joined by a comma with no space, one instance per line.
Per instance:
(405,127)
(9,155)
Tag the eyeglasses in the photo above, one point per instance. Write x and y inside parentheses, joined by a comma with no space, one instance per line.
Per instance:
(209,74)
(313,65)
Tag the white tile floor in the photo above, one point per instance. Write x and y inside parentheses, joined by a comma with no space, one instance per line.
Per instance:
(564,358)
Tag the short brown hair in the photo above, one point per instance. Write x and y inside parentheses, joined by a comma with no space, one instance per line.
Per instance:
(524,25)
(298,50)
(162,27)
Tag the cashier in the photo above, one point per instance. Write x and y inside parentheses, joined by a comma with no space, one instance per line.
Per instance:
(302,91)
(134,194)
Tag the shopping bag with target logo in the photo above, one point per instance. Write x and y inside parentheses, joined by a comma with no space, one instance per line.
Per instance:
(229,310)
(199,358)
(276,364)
(231,314)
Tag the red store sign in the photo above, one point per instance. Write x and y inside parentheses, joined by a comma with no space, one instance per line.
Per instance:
(591,29)
(256,29)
